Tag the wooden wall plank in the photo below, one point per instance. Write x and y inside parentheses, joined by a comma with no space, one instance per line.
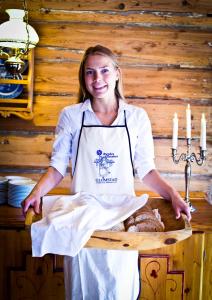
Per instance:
(55,104)
(193,6)
(198,183)
(36,151)
(164,49)
(163,83)
(47,109)
(142,45)
(140,18)
(140,54)
(131,18)
(26,151)
(161,119)
(161,115)
(190,84)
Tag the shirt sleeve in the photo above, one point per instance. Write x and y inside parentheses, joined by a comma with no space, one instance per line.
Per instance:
(61,153)
(144,150)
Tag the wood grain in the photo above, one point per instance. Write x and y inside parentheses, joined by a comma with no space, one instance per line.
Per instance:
(143,45)
(164,49)
(202,6)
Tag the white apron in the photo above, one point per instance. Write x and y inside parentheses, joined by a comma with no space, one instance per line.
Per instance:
(103,165)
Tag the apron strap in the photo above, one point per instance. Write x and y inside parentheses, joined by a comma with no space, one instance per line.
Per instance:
(83,117)
(125,122)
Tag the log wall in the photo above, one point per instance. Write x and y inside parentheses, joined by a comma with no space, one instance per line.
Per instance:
(165,52)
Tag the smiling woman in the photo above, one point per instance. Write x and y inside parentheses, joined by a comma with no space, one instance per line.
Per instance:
(108,142)
(164,51)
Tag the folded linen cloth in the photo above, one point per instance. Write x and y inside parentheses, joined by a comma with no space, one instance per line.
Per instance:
(69,221)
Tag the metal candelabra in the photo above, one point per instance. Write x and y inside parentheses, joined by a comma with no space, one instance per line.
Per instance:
(189,157)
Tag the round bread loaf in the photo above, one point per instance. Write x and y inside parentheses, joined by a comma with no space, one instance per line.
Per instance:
(144,219)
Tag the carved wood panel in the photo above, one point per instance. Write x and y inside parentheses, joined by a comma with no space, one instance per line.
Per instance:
(38,279)
(158,282)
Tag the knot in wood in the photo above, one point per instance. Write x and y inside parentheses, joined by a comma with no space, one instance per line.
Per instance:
(170,241)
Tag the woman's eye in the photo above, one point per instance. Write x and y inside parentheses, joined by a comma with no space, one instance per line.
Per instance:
(88,72)
(105,70)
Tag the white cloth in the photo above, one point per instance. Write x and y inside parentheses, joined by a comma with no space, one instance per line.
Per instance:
(69,221)
(68,129)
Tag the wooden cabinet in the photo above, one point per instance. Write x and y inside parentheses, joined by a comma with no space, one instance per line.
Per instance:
(24,277)
(175,272)
(179,271)
(21,106)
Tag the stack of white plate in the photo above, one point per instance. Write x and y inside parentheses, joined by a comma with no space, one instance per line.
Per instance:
(18,190)
(3,190)
(11,177)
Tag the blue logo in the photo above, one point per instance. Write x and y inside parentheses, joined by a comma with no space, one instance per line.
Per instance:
(104,163)
(99,152)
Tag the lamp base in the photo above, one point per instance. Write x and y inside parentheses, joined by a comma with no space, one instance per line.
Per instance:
(14,65)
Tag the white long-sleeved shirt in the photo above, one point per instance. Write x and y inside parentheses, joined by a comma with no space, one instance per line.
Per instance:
(69,125)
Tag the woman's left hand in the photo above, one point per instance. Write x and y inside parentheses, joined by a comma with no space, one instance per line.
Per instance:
(163,188)
(180,206)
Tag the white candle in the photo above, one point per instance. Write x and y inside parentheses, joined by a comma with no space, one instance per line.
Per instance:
(203,133)
(175,132)
(188,122)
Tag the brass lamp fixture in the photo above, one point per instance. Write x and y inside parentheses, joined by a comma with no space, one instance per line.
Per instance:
(18,36)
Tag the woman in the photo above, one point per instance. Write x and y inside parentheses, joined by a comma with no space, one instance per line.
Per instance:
(108,142)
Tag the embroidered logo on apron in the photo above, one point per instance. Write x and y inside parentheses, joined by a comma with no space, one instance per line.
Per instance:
(104,162)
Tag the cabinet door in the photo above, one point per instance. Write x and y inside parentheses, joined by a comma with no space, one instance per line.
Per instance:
(25,277)
(173,272)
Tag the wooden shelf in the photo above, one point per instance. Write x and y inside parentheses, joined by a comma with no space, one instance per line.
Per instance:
(14,81)
(21,107)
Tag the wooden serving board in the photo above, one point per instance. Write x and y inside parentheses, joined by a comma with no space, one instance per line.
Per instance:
(175,231)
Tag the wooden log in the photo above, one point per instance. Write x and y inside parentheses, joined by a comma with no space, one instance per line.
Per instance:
(199,183)
(143,45)
(24,151)
(47,114)
(36,151)
(162,83)
(161,114)
(167,50)
(131,18)
(193,6)
(48,107)
(141,18)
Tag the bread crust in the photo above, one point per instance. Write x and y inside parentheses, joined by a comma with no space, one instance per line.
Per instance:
(144,220)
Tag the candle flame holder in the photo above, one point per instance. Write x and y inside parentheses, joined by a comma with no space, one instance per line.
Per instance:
(189,157)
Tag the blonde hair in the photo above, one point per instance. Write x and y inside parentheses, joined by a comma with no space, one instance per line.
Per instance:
(100,50)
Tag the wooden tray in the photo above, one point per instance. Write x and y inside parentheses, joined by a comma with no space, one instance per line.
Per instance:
(175,231)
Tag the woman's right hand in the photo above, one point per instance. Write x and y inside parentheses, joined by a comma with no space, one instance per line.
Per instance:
(48,181)
(33,200)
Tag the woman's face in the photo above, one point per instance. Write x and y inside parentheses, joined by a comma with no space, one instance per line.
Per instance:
(100,76)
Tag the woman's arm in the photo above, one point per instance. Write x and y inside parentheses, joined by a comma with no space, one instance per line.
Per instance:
(162,187)
(48,181)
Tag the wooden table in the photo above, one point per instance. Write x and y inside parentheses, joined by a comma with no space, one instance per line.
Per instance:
(179,271)
(11,217)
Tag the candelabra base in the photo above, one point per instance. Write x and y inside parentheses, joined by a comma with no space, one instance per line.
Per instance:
(192,208)
(188,157)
